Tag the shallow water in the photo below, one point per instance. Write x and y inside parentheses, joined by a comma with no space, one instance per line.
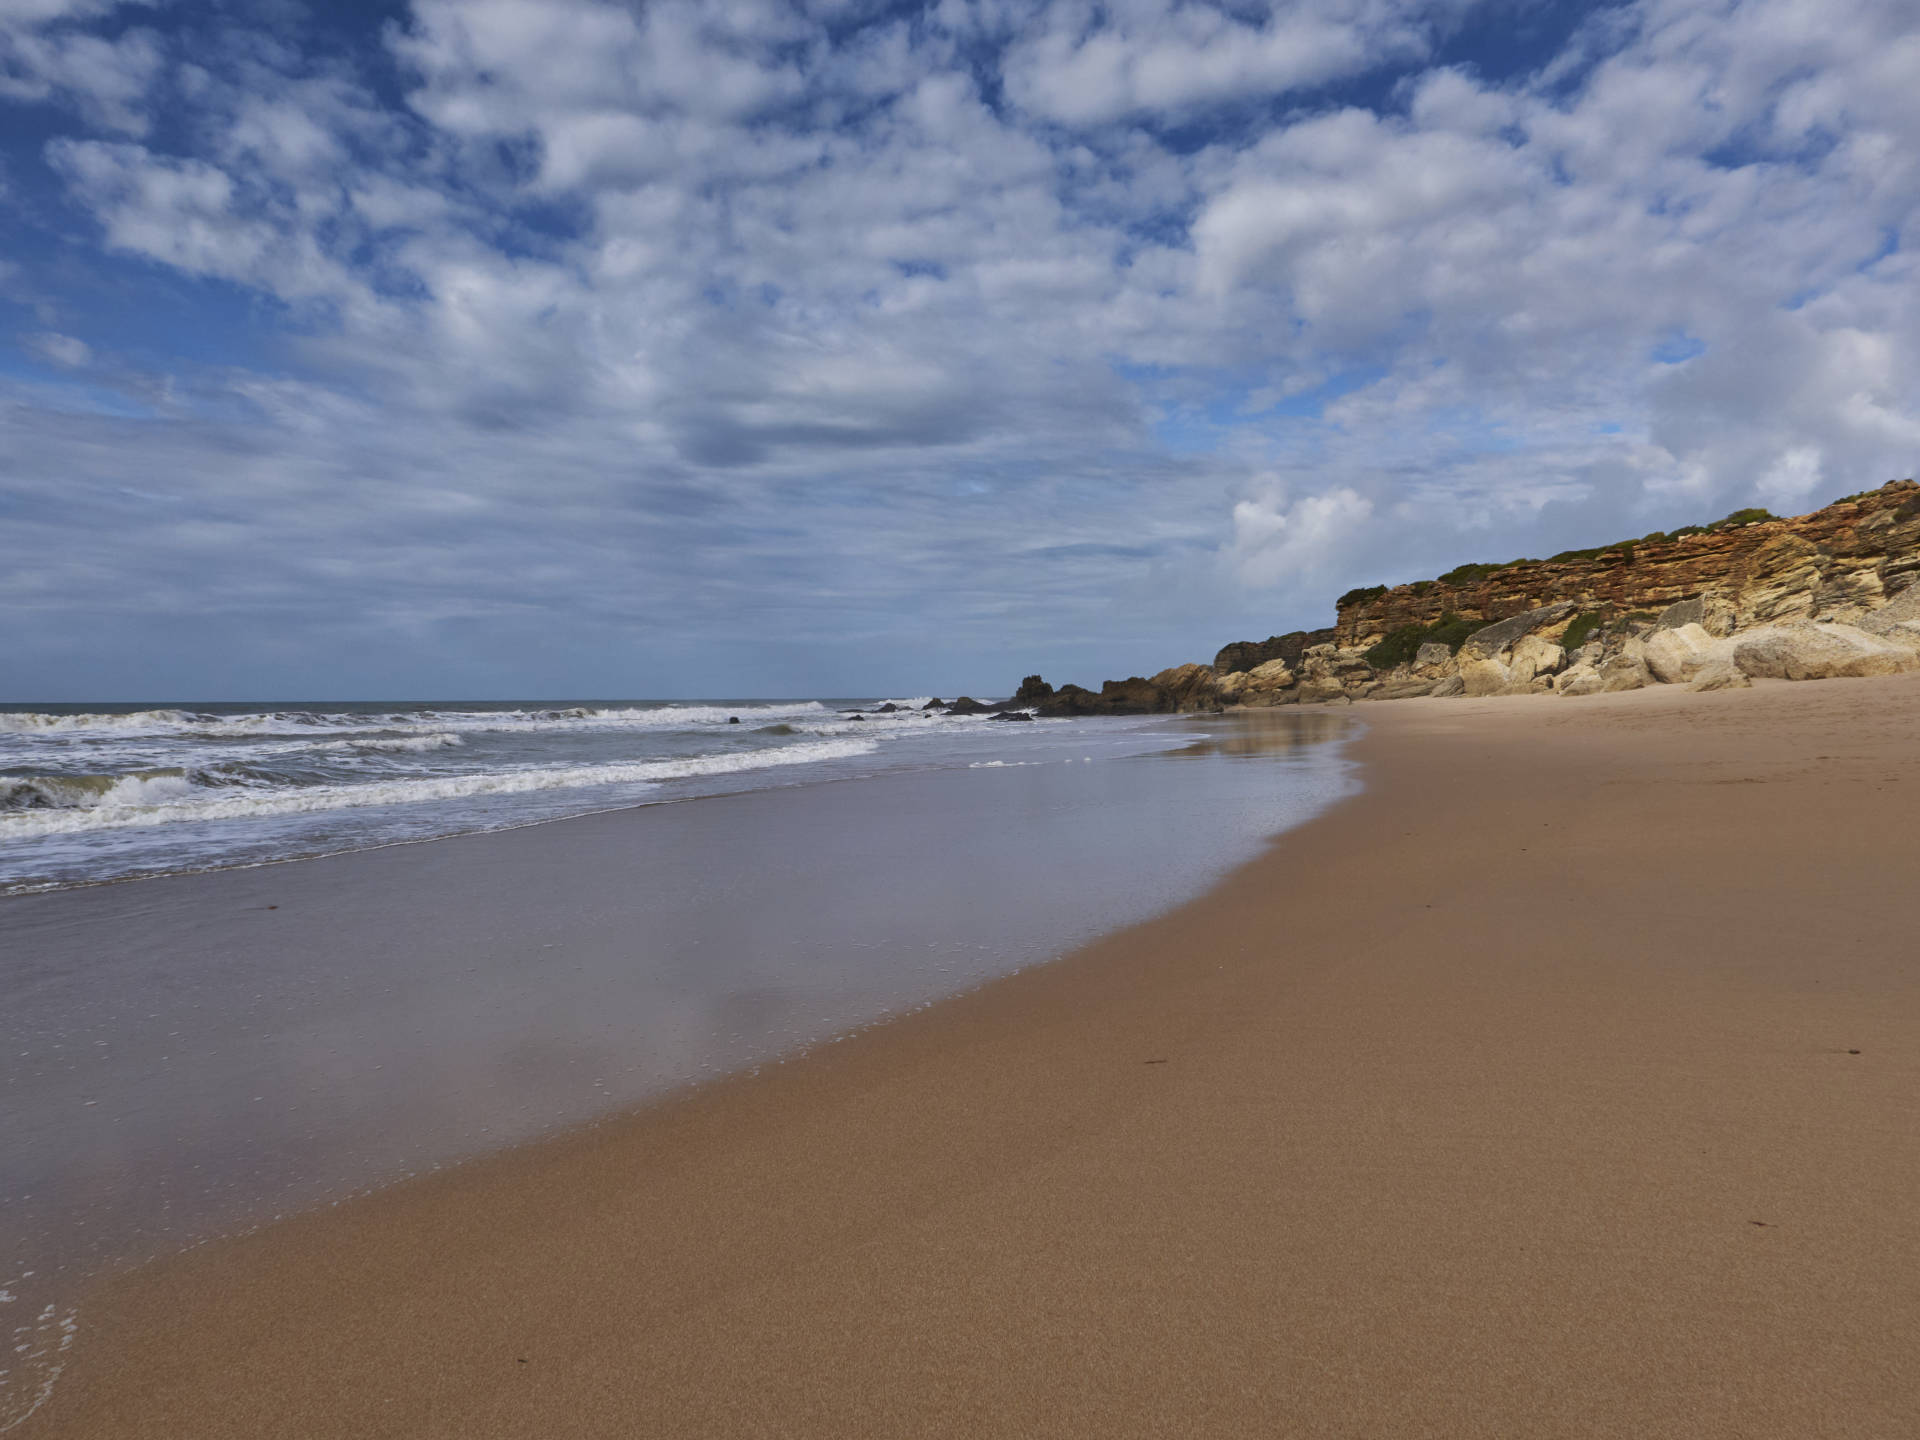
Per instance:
(187,1055)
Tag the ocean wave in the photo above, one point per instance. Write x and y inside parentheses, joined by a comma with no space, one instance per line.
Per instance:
(205,725)
(398,744)
(86,792)
(124,803)
(26,722)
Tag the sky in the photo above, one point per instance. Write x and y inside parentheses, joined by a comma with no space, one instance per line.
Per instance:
(521,348)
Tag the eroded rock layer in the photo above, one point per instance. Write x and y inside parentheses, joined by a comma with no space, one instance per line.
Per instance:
(1824,595)
(1844,560)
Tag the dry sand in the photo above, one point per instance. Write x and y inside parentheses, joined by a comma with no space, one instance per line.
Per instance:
(1565,1083)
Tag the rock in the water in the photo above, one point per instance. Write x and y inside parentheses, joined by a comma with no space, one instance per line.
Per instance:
(1033,691)
(1803,650)
(935,704)
(967,705)
(1011,715)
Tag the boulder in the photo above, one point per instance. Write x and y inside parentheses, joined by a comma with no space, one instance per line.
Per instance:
(1433,656)
(1033,691)
(1719,673)
(935,704)
(1408,689)
(967,705)
(1485,677)
(1320,692)
(1626,668)
(1488,643)
(1535,656)
(1581,679)
(1675,653)
(1804,650)
(1261,685)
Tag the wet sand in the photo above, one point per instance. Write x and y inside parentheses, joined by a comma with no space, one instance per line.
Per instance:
(1563,1083)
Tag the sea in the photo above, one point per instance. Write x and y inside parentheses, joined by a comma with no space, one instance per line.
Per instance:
(259,959)
(110,792)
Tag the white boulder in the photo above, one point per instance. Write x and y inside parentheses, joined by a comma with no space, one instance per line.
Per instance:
(1804,650)
(1676,655)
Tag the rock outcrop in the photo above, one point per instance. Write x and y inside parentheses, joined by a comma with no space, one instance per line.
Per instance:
(1831,594)
(1835,564)
(1246,655)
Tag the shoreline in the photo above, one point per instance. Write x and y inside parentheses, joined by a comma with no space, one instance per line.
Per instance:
(200,1054)
(1405,1126)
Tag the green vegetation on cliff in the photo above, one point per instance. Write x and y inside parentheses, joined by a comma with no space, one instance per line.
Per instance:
(1403,644)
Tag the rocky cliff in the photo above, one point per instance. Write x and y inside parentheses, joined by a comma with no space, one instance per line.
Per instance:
(1846,559)
(1824,594)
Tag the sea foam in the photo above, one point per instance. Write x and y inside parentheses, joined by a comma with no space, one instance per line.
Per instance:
(144,800)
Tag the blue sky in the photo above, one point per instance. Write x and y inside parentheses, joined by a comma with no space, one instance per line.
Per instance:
(569,347)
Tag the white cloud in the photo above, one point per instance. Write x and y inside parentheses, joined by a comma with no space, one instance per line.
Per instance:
(1277,540)
(42,56)
(62,350)
(1085,63)
(850,334)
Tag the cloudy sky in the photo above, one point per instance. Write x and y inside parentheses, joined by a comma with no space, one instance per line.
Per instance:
(652,347)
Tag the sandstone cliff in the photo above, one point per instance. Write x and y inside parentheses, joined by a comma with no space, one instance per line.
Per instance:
(1846,559)
(1831,593)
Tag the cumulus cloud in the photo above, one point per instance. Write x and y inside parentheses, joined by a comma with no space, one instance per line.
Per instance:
(1276,539)
(811,330)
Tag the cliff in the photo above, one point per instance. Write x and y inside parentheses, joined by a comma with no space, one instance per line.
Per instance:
(1828,593)
(1848,557)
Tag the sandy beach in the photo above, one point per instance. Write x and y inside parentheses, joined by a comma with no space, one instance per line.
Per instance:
(1561,1084)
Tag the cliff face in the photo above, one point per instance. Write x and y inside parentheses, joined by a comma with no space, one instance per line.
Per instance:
(1844,560)
(1830,593)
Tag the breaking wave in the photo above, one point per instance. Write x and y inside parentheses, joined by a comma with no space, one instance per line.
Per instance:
(400,744)
(424,721)
(70,804)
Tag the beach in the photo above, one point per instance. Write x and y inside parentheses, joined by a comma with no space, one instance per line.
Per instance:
(1559,1083)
